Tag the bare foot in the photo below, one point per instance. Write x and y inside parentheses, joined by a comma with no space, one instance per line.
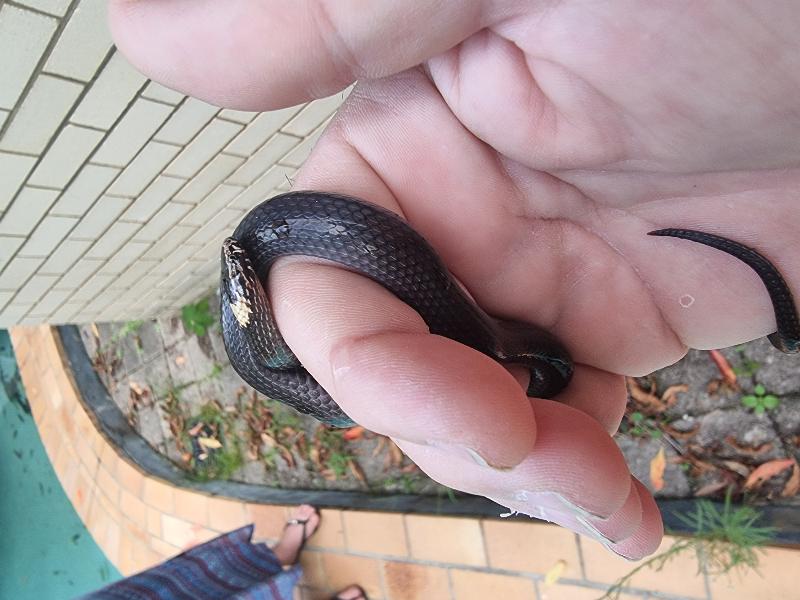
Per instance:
(294,534)
(353,592)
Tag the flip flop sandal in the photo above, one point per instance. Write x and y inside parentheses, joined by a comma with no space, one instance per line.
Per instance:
(362,595)
(303,541)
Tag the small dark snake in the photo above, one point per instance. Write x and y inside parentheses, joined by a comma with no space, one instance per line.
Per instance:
(375,242)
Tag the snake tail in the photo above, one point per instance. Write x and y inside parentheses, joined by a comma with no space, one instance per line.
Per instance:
(787,337)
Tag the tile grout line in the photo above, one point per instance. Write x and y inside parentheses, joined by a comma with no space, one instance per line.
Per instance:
(61,24)
(88,160)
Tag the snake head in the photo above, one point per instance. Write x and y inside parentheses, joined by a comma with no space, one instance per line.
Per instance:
(238,281)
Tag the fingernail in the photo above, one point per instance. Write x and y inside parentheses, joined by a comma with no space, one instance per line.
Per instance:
(555,501)
(594,532)
(471,453)
(579,510)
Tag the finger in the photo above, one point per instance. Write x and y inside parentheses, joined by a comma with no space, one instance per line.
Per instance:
(375,356)
(271,54)
(597,393)
(647,537)
(496,226)
(574,466)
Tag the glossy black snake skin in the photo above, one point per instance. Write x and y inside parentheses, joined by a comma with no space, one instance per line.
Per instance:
(377,243)
(787,337)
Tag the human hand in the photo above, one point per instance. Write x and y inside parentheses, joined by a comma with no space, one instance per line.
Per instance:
(534,149)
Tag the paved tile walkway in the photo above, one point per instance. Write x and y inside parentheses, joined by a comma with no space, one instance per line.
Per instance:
(139,521)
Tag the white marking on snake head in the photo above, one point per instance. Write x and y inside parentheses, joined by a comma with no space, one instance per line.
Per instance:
(242,311)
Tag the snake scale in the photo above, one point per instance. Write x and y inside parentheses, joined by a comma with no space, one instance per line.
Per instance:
(378,244)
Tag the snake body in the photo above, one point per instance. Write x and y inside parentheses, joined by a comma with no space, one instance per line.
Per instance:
(377,243)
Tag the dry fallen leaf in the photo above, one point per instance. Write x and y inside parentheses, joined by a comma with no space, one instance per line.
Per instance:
(793,485)
(196,429)
(357,471)
(647,401)
(180,360)
(354,433)
(670,395)
(554,573)
(736,467)
(268,440)
(766,471)
(657,466)
(748,450)
(209,443)
(710,488)
(728,375)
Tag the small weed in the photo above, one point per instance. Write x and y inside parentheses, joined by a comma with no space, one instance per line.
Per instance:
(404,481)
(217,461)
(197,317)
(722,540)
(337,462)
(128,328)
(760,401)
(639,425)
(215,372)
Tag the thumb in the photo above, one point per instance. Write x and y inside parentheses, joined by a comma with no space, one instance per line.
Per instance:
(272,54)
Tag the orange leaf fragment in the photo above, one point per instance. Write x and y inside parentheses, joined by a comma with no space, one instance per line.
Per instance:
(725,369)
(766,471)
(657,466)
(670,395)
(354,433)
(647,400)
(793,485)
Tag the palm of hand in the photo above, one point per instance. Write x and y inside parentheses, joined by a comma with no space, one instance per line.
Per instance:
(535,155)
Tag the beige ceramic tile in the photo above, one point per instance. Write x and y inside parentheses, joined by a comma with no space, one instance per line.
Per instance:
(474,585)
(226,515)
(679,576)
(110,93)
(30,206)
(272,151)
(47,235)
(65,156)
(156,91)
(259,130)
(203,148)
(314,113)
(131,133)
(208,178)
(776,578)
(53,7)
(374,532)
(23,37)
(186,122)
(446,539)
(408,581)
(533,547)
(41,113)
(83,43)
(15,168)
(87,186)
(342,570)
(143,169)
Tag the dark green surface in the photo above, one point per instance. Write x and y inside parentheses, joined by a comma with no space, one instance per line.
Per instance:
(45,551)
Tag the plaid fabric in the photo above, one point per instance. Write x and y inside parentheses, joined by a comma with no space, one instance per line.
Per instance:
(229,567)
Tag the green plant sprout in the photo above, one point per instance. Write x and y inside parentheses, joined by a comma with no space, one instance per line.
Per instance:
(639,425)
(747,367)
(197,317)
(722,540)
(760,401)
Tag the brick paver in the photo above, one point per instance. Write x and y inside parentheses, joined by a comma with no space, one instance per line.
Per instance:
(139,521)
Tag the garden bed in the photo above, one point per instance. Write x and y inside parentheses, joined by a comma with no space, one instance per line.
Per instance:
(691,430)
